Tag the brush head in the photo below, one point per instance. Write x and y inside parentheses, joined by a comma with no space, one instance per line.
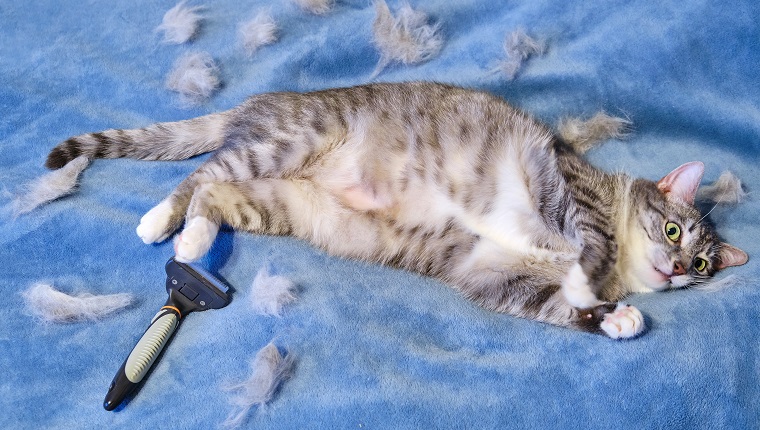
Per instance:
(194,288)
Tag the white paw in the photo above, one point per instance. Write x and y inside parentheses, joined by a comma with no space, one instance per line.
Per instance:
(576,290)
(625,322)
(154,225)
(195,240)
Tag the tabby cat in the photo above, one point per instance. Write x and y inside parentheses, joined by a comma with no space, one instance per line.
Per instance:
(448,182)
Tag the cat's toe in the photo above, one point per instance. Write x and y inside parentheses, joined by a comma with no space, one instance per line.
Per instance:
(196,239)
(625,322)
(155,224)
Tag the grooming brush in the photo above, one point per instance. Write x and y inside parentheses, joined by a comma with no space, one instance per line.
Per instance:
(190,289)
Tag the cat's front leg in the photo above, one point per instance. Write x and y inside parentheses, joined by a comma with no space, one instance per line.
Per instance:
(618,321)
(576,289)
(582,285)
(626,321)
(533,292)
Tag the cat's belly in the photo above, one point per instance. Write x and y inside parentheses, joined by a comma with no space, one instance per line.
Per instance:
(497,205)
(512,221)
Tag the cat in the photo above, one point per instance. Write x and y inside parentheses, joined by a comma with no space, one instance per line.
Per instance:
(444,181)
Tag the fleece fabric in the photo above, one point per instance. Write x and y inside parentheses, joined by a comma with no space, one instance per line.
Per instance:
(373,347)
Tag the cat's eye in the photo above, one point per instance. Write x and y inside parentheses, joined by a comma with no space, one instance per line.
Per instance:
(700,264)
(673,231)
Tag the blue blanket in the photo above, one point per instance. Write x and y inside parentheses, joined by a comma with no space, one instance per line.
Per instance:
(374,347)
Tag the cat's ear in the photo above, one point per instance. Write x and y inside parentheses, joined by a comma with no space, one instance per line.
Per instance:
(730,256)
(682,183)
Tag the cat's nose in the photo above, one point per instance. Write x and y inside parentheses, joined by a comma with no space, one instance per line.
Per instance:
(678,269)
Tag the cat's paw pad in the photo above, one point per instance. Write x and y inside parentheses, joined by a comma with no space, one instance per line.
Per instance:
(576,289)
(626,321)
(154,225)
(195,240)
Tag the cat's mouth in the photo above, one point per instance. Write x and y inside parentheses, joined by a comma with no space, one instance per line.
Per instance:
(670,279)
(664,276)
(659,279)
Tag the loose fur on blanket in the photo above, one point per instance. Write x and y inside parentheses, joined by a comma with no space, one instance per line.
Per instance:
(180,23)
(195,76)
(49,186)
(51,305)
(407,37)
(583,135)
(518,46)
(726,190)
(257,32)
(270,293)
(317,7)
(268,370)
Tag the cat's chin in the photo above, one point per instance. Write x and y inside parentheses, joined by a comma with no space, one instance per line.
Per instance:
(657,280)
(647,280)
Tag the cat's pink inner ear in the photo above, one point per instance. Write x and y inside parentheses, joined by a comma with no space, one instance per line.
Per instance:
(683,182)
(730,256)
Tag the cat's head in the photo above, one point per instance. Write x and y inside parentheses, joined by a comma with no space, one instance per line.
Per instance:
(671,244)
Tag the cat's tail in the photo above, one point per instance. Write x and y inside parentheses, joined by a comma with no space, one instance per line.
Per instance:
(163,141)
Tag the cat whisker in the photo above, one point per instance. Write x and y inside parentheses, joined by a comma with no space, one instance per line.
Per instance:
(708,213)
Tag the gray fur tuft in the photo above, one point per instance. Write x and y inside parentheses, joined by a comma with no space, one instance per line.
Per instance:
(726,190)
(51,305)
(269,293)
(180,23)
(269,369)
(257,32)
(583,135)
(195,76)
(518,47)
(406,38)
(317,7)
(50,186)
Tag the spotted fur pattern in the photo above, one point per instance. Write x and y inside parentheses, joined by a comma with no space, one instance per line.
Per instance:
(447,182)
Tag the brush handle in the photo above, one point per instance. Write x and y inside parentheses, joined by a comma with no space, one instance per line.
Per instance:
(143,355)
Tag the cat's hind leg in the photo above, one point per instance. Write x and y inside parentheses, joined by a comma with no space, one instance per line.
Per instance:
(165,218)
(155,225)
(203,217)
(277,207)
(257,206)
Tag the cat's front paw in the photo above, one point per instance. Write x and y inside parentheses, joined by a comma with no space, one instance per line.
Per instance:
(625,322)
(195,240)
(155,224)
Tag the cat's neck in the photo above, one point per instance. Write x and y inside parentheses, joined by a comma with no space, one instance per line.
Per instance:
(628,237)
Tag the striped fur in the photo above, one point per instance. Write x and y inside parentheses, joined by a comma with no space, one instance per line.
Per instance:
(443,181)
(162,141)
